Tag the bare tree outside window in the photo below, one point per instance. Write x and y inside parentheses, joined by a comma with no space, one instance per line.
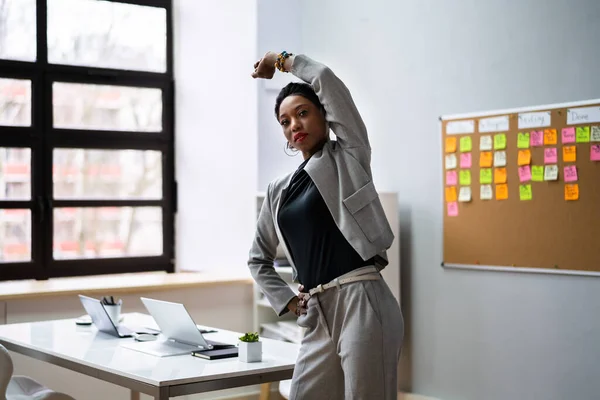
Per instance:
(99,33)
(17,30)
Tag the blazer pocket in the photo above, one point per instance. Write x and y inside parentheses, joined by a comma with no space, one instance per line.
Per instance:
(361,205)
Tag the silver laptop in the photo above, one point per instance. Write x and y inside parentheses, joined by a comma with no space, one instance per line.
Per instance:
(180,335)
(100,318)
(105,324)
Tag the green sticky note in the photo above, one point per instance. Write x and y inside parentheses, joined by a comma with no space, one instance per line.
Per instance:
(464,177)
(466,144)
(537,173)
(523,140)
(525,192)
(582,134)
(485,176)
(500,141)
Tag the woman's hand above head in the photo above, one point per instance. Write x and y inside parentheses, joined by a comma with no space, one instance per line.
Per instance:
(265,67)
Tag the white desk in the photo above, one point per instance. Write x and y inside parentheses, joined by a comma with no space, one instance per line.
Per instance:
(85,350)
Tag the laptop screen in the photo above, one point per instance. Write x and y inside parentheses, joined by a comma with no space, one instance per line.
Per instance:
(98,314)
(175,322)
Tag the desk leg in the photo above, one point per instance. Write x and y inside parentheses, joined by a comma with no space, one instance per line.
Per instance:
(265,391)
(135,395)
(163,394)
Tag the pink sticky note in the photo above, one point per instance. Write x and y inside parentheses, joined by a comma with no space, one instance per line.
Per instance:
(525,173)
(465,160)
(568,135)
(536,138)
(571,173)
(453,209)
(595,152)
(550,155)
(451,178)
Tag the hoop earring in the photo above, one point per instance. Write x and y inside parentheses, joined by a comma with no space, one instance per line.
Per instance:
(287,147)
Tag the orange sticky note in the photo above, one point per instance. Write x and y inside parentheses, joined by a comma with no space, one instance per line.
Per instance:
(550,136)
(569,153)
(450,144)
(451,194)
(524,157)
(502,192)
(500,175)
(486,159)
(572,192)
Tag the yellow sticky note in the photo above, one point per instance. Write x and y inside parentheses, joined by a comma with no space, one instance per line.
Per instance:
(486,159)
(466,144)
(523,140)
(451,194)
(525,192)
(500,141)
(464,177)
(524,157)
(550,137)
(572,192)
(502,192)
(537,173)
(450,144)
(582,134)
(500,175)
(569,153)
(485,176)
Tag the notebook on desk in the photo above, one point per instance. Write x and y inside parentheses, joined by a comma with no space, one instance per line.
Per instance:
(216,354)
(180,335)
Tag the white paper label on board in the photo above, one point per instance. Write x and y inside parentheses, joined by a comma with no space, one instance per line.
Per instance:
(486,192)
(451,161)
(458,127)
(583,115)
(464,195)
(486,143)
(595,137)
(494,124)
(551,173)
(535,119)
(499,159)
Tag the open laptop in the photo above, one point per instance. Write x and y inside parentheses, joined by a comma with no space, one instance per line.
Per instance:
(104,323)
(180,333)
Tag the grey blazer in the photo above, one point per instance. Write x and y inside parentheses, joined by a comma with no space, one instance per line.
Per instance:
(341,172)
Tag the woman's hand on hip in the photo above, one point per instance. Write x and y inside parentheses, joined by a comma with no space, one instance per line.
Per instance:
(299,305)
(265,67)
(302,301)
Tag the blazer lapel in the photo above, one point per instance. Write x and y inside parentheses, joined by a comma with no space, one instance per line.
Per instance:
(277,229)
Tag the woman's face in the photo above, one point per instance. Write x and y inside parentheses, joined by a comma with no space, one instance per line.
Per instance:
(304,125)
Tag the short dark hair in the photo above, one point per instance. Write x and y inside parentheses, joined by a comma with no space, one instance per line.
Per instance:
(298,89)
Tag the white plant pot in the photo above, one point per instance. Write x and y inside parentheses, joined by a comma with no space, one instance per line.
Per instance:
(250,351)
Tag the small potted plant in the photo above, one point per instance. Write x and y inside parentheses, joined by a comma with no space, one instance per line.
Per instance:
(250,349)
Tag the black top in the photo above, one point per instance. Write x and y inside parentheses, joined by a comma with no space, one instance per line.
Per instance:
(319,250)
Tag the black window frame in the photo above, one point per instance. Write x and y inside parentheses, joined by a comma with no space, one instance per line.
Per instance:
(42,139)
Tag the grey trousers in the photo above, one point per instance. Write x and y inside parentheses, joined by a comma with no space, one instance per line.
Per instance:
(352,344)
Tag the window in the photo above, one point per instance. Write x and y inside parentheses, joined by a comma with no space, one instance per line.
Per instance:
(86,137)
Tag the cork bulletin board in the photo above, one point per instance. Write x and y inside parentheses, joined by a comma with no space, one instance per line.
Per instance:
(522,189)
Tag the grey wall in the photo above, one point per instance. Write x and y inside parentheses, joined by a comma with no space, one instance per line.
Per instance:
(471,335)
(279,28)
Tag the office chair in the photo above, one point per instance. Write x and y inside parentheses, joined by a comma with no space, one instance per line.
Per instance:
(22,387)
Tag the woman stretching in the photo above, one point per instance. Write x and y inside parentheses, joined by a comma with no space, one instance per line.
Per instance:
(331,225)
